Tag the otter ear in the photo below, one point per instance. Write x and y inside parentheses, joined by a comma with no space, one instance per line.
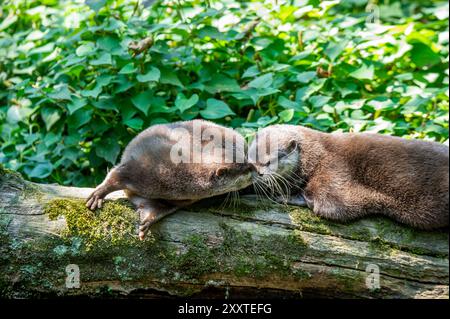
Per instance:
(292,146)
(221,171)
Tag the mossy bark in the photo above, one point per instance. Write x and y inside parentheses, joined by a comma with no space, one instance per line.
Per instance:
(207,250)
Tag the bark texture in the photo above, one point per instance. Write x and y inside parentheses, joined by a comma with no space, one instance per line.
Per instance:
(252,250)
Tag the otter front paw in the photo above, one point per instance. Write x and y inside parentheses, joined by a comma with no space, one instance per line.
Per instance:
(95,200)
(143,229)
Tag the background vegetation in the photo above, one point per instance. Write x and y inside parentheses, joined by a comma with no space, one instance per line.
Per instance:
(73,94)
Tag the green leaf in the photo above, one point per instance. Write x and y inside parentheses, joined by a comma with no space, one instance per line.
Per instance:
(43,49)
(319,100)
(152,75)
(9,20)
(251,72)
(190,114)
(105,58)
(110,44)
(72,59)
(363,73)
(18,113)
(134,123)
(106,103)
(79,118)
(216,109)
(104,79)
(94,93)
(61,92)
(262,122)
(255,94)
(211,32)
(108,149)
(41,170)
(50,116)
(85,49)
(143,100)
(286,115)
(346,88)
(95,5)
(262,82)
(306,77)
(127,69)
(76,104)
(182,103)
(305,92)
(158,105)
(286,103)
(422,55)
(416,104)
(333,50)
(382,103)
(169,77)
(123,84)
(221,83)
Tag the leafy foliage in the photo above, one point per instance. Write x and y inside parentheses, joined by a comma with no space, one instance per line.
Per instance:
(74,88)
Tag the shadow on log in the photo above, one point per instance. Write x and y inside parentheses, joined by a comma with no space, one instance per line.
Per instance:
(254,250)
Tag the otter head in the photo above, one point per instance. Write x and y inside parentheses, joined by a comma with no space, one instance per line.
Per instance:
(215,164)
(275,154)
(226,168)
(230,177)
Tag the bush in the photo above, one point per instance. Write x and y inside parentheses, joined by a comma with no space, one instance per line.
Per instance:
(73,93)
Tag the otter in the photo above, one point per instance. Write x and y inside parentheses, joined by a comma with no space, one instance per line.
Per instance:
(344,176)
(169,166)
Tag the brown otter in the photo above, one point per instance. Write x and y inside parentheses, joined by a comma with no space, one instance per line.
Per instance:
(173,165)
(349,175)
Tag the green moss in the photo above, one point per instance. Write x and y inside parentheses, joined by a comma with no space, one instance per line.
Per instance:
(240,254)
(381,246)
(387,226)
(4,172)
(113,224)
(14,180)
(197,260)
(307,221)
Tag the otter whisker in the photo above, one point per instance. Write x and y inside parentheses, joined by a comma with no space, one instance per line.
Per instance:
(234,200)
(276,186)
(263,189)
(281,192)
(257,189)
(225,201)
(296,178)
(286,183)
(261,186)
(238,198)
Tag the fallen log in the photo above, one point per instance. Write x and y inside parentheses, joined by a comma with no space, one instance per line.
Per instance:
(256,249)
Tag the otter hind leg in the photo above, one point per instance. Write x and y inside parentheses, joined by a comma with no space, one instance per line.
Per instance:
(344,203)
(110,184)
(150,211)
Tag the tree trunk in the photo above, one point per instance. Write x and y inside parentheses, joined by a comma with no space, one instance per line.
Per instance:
(250,250)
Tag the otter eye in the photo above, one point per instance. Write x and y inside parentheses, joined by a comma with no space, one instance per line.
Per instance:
(221,171)
(282,154)
(291,147)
